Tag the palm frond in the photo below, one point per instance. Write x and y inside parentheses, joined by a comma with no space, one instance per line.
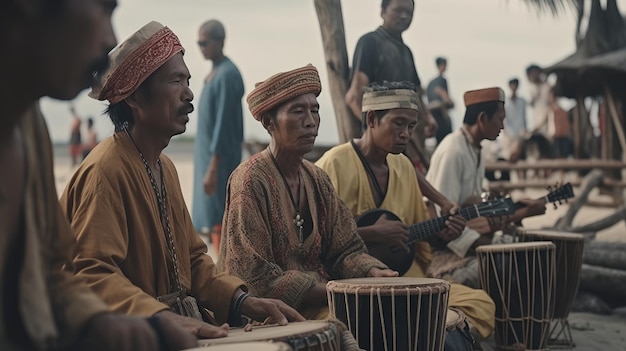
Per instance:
(554,7)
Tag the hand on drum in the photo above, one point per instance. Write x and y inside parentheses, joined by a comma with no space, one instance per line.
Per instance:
(270,311)
(393,233)
(194,326)
(110,331)
(454,227)
(533,207)
(377,272)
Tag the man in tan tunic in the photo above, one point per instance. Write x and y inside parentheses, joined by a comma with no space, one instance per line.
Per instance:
(50,48)
(137,247)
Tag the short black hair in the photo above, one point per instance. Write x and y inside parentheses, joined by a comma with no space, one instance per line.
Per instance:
(440,61)
(386,3)
(385,85)
(121,115)
(514,81)
(531,68)
(472,111)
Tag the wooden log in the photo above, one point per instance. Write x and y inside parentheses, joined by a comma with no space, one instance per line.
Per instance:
(330,18)
(603,223)
(590,182)
(607,283)
(605,254)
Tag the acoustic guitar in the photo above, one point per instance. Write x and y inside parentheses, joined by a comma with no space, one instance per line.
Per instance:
(398,259)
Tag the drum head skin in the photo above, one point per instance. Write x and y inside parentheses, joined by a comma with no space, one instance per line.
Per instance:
(273,333)
(387,286)
(253,345)
(529,246)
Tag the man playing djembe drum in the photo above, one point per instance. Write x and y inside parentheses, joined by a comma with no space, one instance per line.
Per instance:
(390,115)
(286,233)
(136,245)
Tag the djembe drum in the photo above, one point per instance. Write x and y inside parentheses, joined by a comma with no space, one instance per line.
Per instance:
(244,346)
(301,336)
(392,313)
(519,278)
(569,261)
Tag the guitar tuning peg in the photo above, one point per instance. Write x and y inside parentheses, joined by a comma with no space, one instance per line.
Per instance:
(549,187)
(554,205)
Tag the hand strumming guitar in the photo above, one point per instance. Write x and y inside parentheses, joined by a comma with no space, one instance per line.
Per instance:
(454,227)
(394,233)
(532,207)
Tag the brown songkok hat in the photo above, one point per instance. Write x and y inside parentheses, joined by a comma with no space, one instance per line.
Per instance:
(134,60)
(283,87)
(473,97)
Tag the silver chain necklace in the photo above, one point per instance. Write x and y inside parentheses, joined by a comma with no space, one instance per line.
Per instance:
(165,219)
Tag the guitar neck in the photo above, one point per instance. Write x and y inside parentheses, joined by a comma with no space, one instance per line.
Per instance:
(519,204)
(431,227)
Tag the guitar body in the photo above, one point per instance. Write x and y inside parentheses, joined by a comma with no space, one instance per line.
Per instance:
(396,259)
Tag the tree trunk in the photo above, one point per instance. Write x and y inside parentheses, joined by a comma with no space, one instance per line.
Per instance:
(330,18)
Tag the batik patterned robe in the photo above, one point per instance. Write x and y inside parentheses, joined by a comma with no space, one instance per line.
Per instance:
(260,243)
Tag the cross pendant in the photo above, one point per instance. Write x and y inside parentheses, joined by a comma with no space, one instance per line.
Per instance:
(299,221)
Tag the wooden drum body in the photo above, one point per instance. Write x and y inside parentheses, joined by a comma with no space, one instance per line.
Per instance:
(568,266)
(520,279)
(392,313)
(569,262)
(309,335)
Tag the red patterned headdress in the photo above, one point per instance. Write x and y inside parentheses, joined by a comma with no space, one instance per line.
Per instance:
(283,87)
(135,60)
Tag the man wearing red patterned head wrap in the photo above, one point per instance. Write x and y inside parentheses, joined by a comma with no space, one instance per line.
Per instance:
(51,48)
(137,247)
(286,232)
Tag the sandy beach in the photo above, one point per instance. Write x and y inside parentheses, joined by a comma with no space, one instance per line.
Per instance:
(590,331)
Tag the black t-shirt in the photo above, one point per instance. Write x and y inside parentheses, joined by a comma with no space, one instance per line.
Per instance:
(383,57)
(441,82)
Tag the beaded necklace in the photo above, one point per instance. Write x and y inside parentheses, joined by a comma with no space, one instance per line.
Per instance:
(298,220)
(165,219)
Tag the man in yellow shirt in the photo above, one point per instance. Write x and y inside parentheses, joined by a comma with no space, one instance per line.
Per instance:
(372,172)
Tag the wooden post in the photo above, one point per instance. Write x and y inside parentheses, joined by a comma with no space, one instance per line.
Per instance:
(619,128)
(330,18)
(582,113)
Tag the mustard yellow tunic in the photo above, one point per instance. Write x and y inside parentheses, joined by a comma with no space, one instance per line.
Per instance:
(404,198)
(122,252)
(41,306)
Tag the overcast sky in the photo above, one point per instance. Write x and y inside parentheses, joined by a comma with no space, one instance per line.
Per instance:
(487,42)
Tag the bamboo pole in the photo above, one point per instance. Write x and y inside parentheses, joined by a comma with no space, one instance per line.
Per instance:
(580,104)
(330,18)
(619,128)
